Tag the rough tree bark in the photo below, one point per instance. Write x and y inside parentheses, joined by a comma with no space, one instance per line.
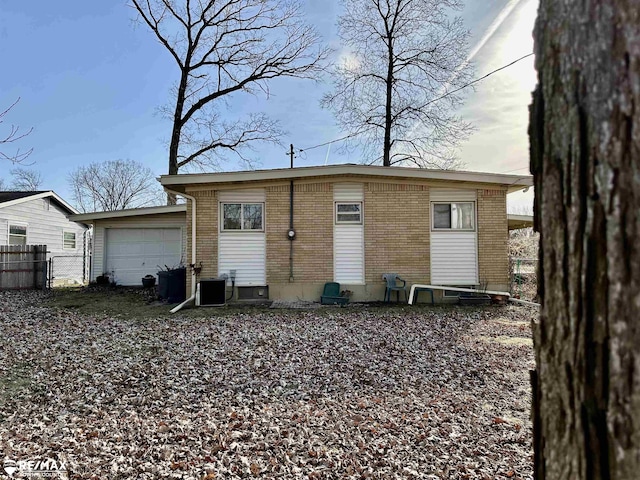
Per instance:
(585,156)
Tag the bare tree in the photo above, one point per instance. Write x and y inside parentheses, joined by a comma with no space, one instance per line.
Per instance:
(585,157)
(114,185)
(12,136)
(222,48)
(401,56)
(26,180)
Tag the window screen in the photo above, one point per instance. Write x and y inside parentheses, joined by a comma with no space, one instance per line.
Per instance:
(349,212)
(242,216)
(454,216)
(17,235)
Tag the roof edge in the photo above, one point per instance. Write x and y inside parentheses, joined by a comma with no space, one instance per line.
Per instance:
(131,212)
(519,221)
(513,182)
(48,193)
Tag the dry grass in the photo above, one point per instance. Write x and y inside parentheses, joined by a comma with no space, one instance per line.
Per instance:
(334,393)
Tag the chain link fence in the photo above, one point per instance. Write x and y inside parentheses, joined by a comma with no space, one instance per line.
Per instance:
(523,275)
(68,270)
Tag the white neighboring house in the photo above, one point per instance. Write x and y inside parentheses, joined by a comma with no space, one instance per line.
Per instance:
(41,218)
(130,244)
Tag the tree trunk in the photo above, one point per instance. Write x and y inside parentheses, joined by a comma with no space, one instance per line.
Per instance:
(176,131)
(585,157)
(386,159)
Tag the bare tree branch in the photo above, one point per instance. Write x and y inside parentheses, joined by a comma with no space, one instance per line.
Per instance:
(401,55)
(223,48)
(114,185)
(25,180)
(13,136)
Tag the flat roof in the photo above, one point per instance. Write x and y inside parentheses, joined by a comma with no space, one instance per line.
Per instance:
(131,212)
(512,182)
(519,221)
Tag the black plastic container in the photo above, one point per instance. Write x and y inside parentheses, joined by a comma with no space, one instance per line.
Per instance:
(172,285)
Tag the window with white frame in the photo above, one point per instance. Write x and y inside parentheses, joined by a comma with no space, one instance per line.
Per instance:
(349,212)
(17,234)
(242,216)
(69,240)
(454,216)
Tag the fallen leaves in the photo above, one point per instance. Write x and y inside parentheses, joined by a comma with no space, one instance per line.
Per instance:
(364,393)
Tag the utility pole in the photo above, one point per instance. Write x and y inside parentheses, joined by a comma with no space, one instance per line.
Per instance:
(291,154)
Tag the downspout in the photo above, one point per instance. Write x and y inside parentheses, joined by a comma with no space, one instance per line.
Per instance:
(193,249)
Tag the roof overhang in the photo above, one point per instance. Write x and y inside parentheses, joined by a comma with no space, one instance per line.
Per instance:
(35,196)
(132,212)
(180,182)
(519,221)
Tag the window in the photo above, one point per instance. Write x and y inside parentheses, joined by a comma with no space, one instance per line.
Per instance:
(453,293)
(349,212)
(17,234)
(242,216)
(69,241)
(454,216)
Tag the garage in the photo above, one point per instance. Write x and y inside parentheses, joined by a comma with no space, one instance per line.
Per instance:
(129,244)
(132,253)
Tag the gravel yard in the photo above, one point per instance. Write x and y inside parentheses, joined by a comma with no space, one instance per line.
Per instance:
(355,392)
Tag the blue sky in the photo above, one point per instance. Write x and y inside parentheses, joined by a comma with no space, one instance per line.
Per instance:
(91,80)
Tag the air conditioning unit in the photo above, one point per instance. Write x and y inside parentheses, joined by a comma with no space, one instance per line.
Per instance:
(212,292)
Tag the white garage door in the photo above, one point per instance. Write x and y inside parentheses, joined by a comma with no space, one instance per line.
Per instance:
(132,253)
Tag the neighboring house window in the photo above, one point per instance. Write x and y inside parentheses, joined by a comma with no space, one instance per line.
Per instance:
(349,212)
(17,234)
(242,216)
(69,241)
(454,216)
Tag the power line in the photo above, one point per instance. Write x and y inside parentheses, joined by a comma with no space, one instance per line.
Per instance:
(431,101)
(336,140)
(516,170)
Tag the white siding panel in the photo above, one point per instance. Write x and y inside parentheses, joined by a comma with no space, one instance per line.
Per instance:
(97,256)
(348,240)
(454,259)
(349,254)
(46,221)
(348,192)
(245,253)
(4,230)
(256,195)
(452,195)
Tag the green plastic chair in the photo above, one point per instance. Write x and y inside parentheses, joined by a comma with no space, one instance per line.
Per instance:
(393,285)
(331,295)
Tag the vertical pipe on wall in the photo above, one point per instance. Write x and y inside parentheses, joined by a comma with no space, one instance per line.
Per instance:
(194,277)
(291,230)
(291,234)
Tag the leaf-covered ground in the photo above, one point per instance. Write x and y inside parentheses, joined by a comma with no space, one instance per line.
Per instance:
(329,393)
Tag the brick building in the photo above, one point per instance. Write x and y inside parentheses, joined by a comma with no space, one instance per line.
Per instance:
(286,232)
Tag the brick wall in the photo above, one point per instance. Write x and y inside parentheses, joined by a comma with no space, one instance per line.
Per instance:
(207,234)
(396,229)
(313,223)
(493,232)
(396,232)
